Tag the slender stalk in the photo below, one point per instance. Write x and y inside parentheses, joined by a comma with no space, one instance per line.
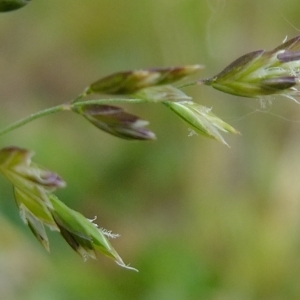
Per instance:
(196,82)
(64,107)
(80,96)
(34,116)
(109,101)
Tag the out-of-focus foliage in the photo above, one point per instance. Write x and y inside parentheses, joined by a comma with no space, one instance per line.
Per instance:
(9,5)
(198,220)
(39,208)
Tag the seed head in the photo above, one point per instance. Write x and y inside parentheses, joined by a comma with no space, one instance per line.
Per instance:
(201,119)
(129,82)
(116,121)
(262,73)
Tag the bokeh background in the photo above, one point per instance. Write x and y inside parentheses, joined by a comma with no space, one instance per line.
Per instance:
(199,220)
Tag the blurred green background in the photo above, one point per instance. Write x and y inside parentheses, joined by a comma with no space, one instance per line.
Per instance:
(199,220)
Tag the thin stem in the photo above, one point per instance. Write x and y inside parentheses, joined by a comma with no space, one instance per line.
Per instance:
(196,82)
(80,96)
(64,107)
(48,111)
(109,101)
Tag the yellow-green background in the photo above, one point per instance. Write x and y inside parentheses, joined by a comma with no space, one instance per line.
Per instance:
(199,220)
